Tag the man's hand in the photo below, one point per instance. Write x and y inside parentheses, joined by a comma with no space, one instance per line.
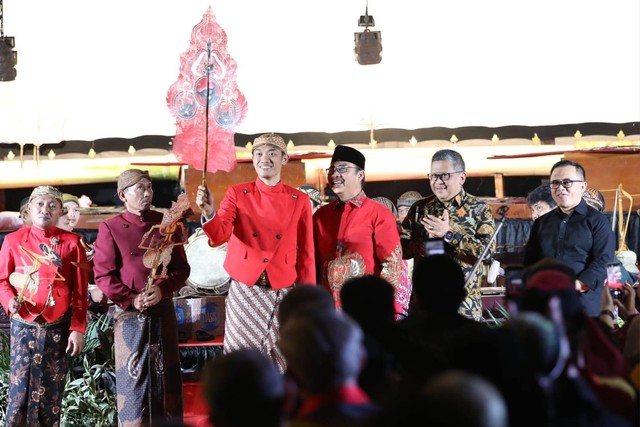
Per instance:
(607,315)
(581,287)
(139,302)
(627,307)
(204,200)
(606,301)
(154,296)
(437,227)
(75,344)
(13,305)
(147,299)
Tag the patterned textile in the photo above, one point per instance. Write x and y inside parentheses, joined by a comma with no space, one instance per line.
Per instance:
(472,222)
(37,374)
(148,377)
(404,288)
(251,320)
(356,238)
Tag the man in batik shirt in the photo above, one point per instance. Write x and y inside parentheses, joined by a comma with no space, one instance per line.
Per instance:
(354,235)
(462,220)
(44,291)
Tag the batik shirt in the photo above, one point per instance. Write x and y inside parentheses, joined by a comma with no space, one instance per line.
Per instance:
(472,223)
(355,238)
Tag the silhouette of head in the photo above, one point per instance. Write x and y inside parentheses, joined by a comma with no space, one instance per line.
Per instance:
(323,349)
(369,301)
(244,379)
(464,399)
(304,298)
(438,284)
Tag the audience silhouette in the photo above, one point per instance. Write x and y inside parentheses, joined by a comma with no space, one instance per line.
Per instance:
(324,351)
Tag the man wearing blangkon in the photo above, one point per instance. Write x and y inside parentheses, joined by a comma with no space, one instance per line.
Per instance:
(268,227)
(44,292)
(148,376)
(575,233)
(462,220)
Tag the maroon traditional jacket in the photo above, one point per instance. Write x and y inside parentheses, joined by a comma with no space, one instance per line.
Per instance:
(118,261)
(268,228)
(60,282)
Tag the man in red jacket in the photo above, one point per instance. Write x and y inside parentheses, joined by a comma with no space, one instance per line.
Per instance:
(269,230)
(45,293)
(355,235)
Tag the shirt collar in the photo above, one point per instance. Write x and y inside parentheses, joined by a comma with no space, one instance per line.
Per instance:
(356,201)
(133,218)
(40,233)
(582,209)
(261,186)
(457,199)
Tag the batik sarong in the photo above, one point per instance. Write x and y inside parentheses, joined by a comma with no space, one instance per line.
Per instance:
(251,320)
(37,373)
(148,377)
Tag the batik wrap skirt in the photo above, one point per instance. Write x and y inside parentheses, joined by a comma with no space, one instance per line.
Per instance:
(148,376)
(251,320)
(37,373)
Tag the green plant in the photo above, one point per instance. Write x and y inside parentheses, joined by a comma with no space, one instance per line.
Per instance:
(504,313)
(89,399)
(4,375)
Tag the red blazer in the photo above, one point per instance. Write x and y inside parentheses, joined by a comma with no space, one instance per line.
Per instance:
(356,238)
(71,292)
(268,228)
(118,262)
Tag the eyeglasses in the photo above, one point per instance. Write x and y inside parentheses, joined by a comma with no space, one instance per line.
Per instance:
(442,176)
(566,183)
(340,169)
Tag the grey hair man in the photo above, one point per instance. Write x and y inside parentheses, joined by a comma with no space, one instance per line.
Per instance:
(463,221)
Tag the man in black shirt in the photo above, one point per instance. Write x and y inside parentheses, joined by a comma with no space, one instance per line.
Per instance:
(575,233)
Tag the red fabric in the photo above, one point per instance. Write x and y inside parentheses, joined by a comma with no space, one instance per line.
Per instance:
(267,227)
(550,280)
(196,412)
(118,261)
(70,292)
(607,371)
(360,231)
(349,395)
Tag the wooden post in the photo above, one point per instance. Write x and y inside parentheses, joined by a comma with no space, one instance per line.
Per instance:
(498,179)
